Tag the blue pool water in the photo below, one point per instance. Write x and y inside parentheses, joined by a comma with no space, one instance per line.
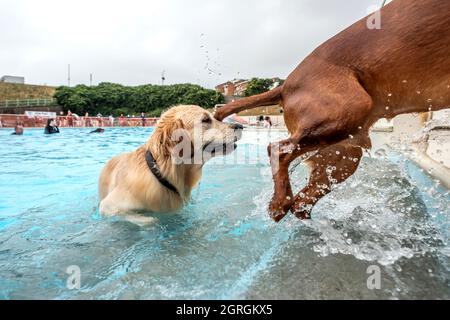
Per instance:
(222,244)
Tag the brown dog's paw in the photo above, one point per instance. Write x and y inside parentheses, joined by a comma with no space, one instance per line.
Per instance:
(303,212)
(279,209)
(303,215)
(219,114)
(277,215)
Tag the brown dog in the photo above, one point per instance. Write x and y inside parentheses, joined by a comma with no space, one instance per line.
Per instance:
(339,91)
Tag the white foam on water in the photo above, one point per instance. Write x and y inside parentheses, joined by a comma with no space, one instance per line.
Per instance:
(377,215)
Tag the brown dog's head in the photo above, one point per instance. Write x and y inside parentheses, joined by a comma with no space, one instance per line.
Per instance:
(190,134)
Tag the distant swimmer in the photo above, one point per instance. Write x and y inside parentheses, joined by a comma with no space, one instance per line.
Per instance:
(51,127)
(98,130)
(18,130)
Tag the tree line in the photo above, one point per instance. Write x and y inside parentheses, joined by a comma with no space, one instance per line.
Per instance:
(110,98)
(116,99)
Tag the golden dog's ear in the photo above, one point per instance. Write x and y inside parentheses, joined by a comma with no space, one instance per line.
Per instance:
(168,133)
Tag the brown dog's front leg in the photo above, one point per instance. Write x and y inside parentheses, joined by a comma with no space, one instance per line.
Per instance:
(281,154)
(330,166)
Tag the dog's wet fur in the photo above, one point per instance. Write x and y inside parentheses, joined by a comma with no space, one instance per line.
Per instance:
(126,184)
(332,99)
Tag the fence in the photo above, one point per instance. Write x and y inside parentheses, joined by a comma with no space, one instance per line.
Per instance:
(19,106)
(28,103)
(11,120)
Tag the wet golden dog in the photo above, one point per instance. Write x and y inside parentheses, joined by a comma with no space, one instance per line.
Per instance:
(160,175)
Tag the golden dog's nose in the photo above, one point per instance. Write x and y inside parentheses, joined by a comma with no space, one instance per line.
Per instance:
(236,126)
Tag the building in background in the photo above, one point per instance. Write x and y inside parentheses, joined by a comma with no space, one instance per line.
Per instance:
(12,79)
(234,87)
(237,87)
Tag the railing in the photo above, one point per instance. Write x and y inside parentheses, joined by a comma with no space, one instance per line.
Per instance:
(27,103)
(10,120)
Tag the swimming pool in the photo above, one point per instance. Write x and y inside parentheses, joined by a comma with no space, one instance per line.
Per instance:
(222,245)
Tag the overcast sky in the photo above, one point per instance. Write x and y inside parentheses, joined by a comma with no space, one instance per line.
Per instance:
(198,41)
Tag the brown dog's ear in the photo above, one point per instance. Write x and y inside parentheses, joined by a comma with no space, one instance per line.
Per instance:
(166,135)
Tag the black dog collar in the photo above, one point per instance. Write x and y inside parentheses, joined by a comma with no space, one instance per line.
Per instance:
(157,173)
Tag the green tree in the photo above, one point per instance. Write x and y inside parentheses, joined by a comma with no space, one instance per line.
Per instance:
(111,98)
(257,86)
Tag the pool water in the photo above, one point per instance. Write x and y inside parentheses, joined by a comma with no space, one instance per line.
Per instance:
(222,245)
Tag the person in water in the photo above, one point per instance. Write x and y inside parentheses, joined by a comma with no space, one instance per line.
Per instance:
(98,130)
(51,127)
(18,130)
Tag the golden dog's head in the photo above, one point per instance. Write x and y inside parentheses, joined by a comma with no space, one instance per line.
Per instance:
(190,134)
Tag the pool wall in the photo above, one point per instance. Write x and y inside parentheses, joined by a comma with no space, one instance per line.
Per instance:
(11,120)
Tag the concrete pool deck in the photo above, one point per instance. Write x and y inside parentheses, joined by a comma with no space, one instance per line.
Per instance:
(425,139)
(439,146)
(433,157)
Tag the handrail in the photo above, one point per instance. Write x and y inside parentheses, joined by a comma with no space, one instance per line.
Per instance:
(28,103)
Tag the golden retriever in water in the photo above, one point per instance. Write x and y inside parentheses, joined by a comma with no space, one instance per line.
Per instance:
(160,175)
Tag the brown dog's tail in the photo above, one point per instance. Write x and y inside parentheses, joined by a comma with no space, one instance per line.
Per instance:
(264,99)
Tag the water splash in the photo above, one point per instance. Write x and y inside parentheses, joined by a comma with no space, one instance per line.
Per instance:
(378,215)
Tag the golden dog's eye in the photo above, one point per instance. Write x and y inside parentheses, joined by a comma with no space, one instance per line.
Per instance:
(206,119)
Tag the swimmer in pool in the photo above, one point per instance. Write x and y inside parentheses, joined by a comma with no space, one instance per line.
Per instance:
(98,130)
(51,127)
(18,130)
